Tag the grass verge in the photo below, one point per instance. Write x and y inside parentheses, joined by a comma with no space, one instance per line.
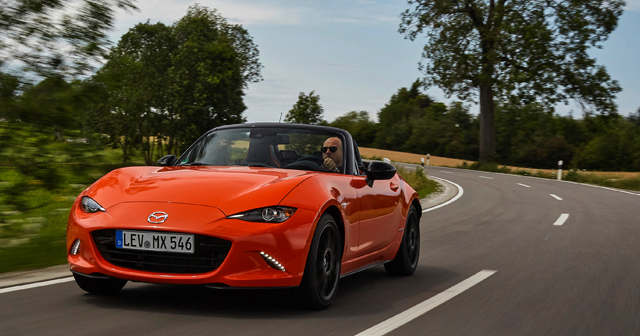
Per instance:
(572,175)
(39,180)
(418,180)
(33,230)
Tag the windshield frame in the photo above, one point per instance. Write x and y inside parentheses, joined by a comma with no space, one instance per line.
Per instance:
(349,160)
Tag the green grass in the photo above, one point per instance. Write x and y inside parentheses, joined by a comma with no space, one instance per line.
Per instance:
(605,181)
(418,180)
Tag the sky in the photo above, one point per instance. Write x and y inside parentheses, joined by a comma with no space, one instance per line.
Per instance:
(350,52)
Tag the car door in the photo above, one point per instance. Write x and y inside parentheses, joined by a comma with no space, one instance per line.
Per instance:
(379,213)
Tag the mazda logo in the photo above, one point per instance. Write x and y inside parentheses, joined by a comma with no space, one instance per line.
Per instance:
(157,217)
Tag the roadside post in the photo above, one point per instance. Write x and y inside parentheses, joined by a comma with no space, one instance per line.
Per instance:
(422,162)
(560,170)
(428,155)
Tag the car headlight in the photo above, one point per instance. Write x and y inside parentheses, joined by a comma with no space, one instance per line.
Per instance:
(274,214)
(90,206)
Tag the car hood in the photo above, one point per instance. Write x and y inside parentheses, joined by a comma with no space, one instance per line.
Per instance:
(230,189)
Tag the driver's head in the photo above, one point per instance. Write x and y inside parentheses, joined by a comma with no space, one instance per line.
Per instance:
(332,149)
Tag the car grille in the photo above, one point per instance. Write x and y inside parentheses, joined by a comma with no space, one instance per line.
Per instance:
(209,254)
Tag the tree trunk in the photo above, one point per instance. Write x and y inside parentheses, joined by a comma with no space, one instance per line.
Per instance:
(487,129)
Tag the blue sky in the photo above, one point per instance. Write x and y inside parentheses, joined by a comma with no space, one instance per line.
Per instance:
(350,53)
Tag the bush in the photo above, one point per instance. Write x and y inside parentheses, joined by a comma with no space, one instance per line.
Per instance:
(572,175)
(523,172)
(418,180)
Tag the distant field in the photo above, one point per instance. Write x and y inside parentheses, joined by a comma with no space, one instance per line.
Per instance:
(409,157)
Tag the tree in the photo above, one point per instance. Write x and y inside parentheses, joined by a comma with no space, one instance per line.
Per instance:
(307,110)
(212,65)
(49,104)
(9,88)
(50,38)
(137,84)
(531,136)
(533,49)
(361,127)
(173,83)
(398,117)
(634,117)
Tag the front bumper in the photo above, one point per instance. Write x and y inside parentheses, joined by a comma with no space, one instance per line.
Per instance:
(243,266)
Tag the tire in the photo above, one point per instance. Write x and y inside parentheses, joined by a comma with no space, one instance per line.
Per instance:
(406,261)
(322,271)
(99,286)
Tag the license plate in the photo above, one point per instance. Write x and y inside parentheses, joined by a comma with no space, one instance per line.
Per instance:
(155,241)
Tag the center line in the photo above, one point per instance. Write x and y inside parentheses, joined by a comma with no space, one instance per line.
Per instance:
(410,314)
(490,178)
(563,218)
(556,197)
(442,171)
(524,185)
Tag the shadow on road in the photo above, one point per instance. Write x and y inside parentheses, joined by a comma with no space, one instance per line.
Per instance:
(363,293)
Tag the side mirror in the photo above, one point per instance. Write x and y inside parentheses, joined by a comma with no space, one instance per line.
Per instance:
(167,160)
(379,171)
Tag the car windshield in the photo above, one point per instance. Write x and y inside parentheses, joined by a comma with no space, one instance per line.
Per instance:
(290,148)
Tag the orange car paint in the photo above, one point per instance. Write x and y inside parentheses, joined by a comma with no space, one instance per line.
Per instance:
(198,199)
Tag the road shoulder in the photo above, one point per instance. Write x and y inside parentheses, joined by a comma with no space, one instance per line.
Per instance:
(448,192)
(31,276)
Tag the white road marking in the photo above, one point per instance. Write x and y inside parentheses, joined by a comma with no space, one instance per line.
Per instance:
(556,197)
(524,185)
(460,193)
(442,171)
(34,285)
(601,187)
(563,218)
(490,178)
(416,311)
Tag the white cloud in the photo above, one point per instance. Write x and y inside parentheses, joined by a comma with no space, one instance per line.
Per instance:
(236,11)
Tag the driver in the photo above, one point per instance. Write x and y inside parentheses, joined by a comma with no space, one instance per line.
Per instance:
(332,154)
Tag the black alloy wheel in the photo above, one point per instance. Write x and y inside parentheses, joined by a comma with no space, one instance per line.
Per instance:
(99,286)
(322,271)
(406,261)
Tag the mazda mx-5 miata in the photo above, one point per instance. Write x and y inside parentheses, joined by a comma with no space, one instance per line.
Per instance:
(264,205)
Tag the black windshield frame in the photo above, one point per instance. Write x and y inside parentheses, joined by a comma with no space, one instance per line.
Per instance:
(349,161)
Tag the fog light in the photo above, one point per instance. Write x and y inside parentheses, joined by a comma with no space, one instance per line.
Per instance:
(272,262)
(75,248)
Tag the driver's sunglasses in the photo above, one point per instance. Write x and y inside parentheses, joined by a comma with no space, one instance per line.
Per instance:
(333,149)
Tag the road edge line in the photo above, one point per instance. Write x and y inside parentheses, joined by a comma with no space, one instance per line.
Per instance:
(34,285)
(455,198)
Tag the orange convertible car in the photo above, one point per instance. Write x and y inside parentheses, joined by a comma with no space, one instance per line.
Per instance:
(249,205)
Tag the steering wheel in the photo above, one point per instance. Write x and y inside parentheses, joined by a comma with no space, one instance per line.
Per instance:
(307,162)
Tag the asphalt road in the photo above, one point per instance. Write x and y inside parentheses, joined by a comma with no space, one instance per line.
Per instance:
(578,278)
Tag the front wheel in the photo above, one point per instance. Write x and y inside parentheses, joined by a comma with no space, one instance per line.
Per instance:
(99,286)
(322,271)
(406,261)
